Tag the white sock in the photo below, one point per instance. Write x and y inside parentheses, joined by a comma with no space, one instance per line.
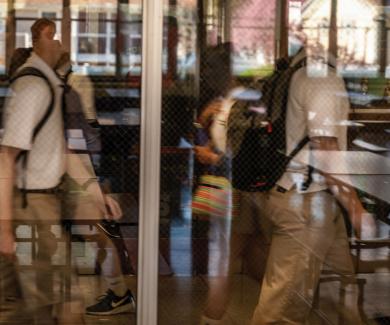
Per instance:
(118,285)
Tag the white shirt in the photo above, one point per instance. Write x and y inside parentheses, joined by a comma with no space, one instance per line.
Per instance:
(219,127)
(29,101)
(317,105)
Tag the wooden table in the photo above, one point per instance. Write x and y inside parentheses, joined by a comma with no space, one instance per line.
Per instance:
(347,162)
(363,170)
(372,113)
(377,186)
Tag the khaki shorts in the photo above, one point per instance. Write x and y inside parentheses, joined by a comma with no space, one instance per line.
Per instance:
(37,279)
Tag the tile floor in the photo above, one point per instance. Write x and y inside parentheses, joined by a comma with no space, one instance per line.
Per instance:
(182,296)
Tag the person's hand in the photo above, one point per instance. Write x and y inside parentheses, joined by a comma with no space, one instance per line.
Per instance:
(113,209)
(7,244)
(206,156)
(209,111)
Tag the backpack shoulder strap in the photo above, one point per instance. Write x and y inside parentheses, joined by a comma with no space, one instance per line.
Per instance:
(23,155)
(31,71)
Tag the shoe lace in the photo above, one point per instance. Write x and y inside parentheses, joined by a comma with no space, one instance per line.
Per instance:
(107,295)
(101,297)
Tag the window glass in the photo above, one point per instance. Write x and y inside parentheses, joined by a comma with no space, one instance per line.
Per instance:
(34,9)
(309,24)
(254,54)
(3,15)
(26,12)
(186,15)
(23,32)
(92,26)
(358,35)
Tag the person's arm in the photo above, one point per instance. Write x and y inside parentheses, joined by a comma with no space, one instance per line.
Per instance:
(207,156)
(325,101)
(84,87)
(85,177)
(205,153)
(209,112)
(7,179)
(345,195)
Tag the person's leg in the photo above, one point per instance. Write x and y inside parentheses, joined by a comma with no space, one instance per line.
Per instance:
(243,227)
(37,285)
(10,309)
(221,286)
(12,291)
(339,261)
(110,265)
(47,214)
(304,230)
(118,298)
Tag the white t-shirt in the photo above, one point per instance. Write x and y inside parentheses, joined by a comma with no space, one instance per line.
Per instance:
(218,129)
(317,105)
(29,100)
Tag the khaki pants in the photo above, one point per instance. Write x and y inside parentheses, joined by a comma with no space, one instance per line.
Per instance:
(308,232)
(37,282)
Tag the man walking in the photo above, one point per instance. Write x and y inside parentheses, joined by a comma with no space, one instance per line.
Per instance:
(35,158)
(36,165)
(308,227)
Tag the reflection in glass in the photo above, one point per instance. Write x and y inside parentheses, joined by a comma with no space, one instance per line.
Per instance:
(358,35)
(26,12)
(254,54)
(93,30)
(3,15)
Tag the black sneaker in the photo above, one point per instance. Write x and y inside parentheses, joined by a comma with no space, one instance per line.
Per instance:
(111,304)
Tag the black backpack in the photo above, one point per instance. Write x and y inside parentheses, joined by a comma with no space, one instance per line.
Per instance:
(74,117)
(260,160)
(71,103)
(18,58)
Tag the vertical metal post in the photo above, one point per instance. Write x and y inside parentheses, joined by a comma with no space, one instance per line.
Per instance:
(278,30)
(227,21)
(200,44)
(66,25)
(220,10)
(119,38)
(281,29)
(382,37)
(10,39)
(333,29)
(152,38)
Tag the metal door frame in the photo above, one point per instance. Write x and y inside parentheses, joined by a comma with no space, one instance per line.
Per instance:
(149,205)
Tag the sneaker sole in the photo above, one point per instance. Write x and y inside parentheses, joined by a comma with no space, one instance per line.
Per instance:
(128,308)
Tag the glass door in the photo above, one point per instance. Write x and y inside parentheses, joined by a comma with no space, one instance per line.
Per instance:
(221,46)
(89,253)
